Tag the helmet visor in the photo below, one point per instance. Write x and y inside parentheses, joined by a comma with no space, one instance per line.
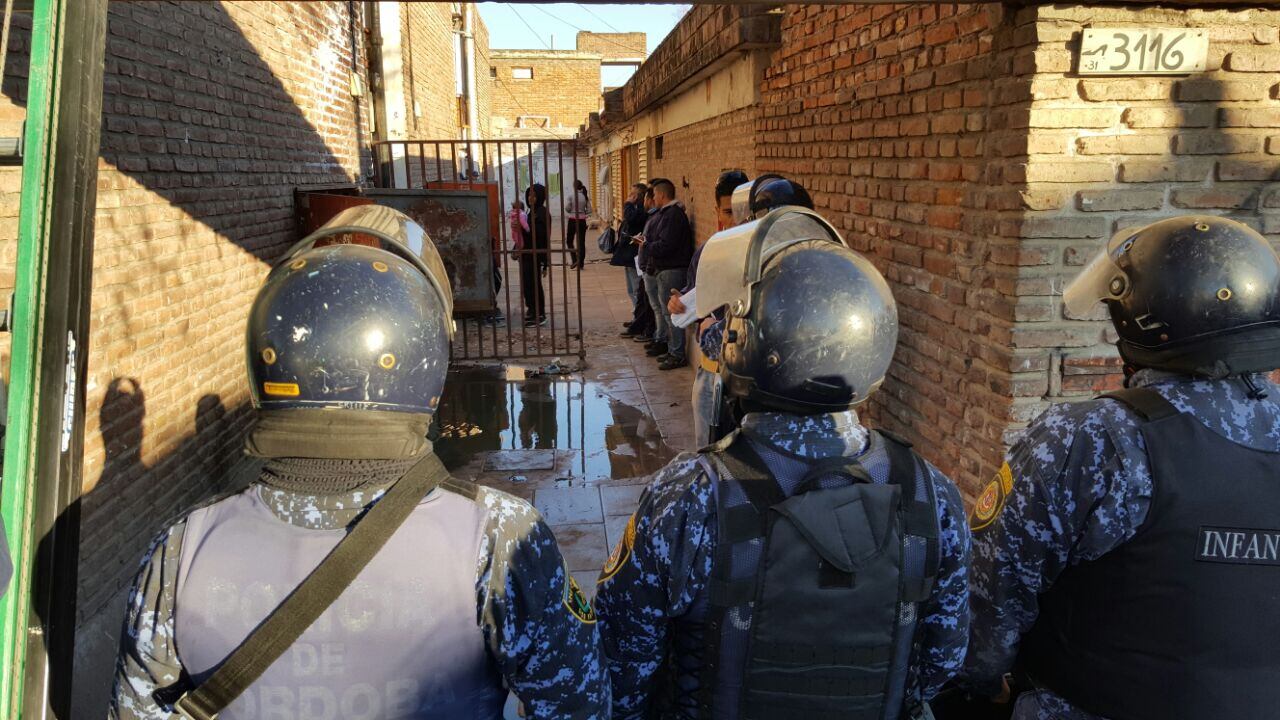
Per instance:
(733,259)
(1101,279)
(397,233)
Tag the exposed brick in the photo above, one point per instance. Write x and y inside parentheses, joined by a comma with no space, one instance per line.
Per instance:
(1215,143)
(1199,89)
(1249,170)
(1055,227)
(1273,145)
(1126,89)
(1119,199)
(1123,145)
(1187,116)
(1190,170)
(1072,117)
(1218,197)
(1253,61)
(1069,172)
(1249,117)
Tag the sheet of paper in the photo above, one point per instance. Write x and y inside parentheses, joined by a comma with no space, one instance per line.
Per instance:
(690,314)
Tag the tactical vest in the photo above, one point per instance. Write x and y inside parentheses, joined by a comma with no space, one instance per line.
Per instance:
(813,596)
(401,642)
(1183,620)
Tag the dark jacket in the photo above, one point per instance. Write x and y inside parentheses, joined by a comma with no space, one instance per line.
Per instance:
(633,217)
(668,240)
(539,238)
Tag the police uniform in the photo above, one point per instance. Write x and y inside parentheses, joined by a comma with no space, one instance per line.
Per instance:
(1078,485)
(527,622)
(653,599)
(347,350)
(1126,554)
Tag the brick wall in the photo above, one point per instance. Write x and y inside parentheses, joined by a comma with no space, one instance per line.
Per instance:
(882,112)
(1104,154)
(565,87)
(484,83)
(427,44)
(694,156)
(212,114)
(613,45)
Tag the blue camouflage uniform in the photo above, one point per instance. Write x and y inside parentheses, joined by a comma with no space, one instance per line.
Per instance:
(658,575)
(538,631)
(1077,485)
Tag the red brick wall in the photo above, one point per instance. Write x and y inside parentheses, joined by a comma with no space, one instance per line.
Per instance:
(694,156)
(213,114)
(882,112)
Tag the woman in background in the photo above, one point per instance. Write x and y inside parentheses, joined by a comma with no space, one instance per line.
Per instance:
(535,259)
(575,231)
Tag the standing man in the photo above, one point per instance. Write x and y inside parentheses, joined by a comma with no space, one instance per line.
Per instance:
(668,248)
(347,350)
(767,193)
(804,566)
(1126,561)
(624,256)
(706,386)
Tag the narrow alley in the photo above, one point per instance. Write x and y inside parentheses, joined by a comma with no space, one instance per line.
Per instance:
(160,163)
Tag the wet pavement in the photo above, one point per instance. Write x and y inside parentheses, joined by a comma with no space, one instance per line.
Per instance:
(579,445)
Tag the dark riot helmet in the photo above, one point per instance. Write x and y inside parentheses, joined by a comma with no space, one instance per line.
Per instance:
(1195,294)
(754,199)
(363,324)
(811,324)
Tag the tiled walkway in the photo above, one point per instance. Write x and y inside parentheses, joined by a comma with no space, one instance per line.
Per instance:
(614,422)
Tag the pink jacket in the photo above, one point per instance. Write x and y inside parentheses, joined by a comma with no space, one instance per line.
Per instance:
(518,220)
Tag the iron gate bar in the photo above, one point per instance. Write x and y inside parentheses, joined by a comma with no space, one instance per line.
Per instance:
(559,303)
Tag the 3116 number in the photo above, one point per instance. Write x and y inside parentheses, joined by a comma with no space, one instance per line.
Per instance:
(1163,57)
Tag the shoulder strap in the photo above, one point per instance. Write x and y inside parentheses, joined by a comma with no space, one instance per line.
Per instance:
(916,508)
(312,597)
(1148,403)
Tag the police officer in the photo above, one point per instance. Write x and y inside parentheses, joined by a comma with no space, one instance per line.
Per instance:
(348,346)
(804,566)
(1127,556)
(753,199)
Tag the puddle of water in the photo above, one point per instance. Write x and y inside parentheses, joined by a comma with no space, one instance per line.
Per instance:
(482,411)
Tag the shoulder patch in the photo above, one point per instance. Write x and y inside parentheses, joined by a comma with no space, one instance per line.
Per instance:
(991,501)
(576,601)
(621,553)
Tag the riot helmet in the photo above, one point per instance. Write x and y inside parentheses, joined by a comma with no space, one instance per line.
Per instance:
(754,199)
(811,324)
(350,326)
(1194,294)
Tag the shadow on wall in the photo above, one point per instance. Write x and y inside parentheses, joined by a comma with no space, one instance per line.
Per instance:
(195,114)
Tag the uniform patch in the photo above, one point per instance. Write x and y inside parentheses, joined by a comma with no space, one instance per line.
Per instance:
(576,601)
(1239,546)
(991,501)
(621,553)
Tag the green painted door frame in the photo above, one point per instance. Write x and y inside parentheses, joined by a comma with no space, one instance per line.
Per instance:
(39,494)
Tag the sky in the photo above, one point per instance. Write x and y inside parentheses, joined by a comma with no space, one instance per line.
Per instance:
(543,25)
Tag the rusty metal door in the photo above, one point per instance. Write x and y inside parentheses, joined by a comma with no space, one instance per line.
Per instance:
(535,309)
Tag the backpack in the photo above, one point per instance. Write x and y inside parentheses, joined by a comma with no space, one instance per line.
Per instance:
(608,240)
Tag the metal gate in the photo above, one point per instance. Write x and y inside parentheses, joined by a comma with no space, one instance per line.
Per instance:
(536,297)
